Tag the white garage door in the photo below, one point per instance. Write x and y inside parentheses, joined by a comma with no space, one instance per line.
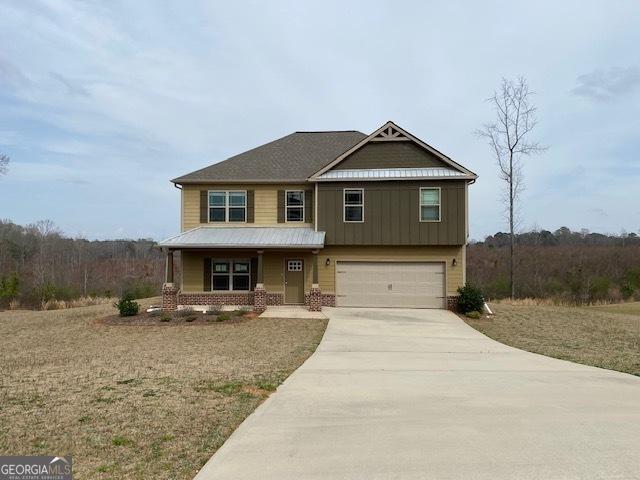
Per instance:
(390,284)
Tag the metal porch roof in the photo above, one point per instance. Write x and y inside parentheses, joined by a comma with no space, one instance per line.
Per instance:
(246,237)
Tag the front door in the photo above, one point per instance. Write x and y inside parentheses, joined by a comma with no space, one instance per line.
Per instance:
(294,281)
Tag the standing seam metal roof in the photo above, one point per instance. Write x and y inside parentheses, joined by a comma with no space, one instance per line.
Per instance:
(246,237)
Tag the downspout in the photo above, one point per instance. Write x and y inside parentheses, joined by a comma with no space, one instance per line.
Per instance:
(315,208)
(181,205)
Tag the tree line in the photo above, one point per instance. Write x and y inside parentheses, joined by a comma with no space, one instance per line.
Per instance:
(38,263)
(573,267)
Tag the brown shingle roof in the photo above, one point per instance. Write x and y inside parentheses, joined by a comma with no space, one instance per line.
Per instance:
(291,158)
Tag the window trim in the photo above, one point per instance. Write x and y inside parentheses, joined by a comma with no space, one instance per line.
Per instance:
(230,273)
(420,205)
(344,205)
(287,207)
(226,205)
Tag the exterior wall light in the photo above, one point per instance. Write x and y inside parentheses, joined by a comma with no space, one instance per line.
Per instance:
(454,262)
(327,262)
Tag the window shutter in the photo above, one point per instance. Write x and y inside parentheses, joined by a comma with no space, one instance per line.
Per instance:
(206,284)
(280,206)
(204,206)
(308,206)
(254,272)
(250,206)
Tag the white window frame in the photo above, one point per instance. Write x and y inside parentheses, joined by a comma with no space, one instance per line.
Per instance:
(230,273)
(226,205)
(420,204)
(344,205)
(287,207)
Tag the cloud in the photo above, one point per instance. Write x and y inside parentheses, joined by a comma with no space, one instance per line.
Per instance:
(73,88)
(11,76)
(608,84)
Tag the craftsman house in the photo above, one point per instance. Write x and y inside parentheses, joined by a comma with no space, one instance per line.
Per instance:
(323,219)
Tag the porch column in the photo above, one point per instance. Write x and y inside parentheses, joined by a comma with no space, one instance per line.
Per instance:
(169,291)
(168,277)
(260,267)
(259,293)
(315,295)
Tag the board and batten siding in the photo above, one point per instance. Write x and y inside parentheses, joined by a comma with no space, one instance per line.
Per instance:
(454,274)
(391,214)
(265,212)
(390,155)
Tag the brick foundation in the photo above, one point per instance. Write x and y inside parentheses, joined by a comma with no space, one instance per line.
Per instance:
(259,299)
(169,297)
(275,299)
(452,303)
(315,299)
(216,299)
(328,299)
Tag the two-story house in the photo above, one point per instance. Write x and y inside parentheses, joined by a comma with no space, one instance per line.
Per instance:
(323,219)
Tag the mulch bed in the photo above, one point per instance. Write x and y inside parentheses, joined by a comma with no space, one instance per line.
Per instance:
(160,319)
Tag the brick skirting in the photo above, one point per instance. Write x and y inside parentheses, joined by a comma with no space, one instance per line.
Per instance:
(452,303)
(169,297)
(328,299)
(216,299)
(275,299)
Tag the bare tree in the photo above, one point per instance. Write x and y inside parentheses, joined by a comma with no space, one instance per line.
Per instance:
(4,164)
(508,137)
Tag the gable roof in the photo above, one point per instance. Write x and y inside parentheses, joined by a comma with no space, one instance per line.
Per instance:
(294,157)
(390,132)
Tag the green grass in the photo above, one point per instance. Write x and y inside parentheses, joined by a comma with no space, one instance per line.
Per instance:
(605,336)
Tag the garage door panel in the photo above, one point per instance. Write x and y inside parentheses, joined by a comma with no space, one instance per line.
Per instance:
(390,284)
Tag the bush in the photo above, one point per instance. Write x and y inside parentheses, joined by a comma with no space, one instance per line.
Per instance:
(627,290)
(184,312)
(212,311)
(470,299)
(243,311)
(474,314)
(223,317)
(165,317)
(127,306)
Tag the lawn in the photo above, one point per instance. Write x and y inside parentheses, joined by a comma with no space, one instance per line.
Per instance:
(604,336)
(137,401)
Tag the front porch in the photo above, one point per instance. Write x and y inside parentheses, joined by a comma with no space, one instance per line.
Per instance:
(222,270)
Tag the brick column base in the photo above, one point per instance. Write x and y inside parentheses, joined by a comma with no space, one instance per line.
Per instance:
(452,303)
(259,299)
(315,299)
(169,297)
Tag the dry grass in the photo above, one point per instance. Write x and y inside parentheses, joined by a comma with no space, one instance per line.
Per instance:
(75,303)
(605,336)
(137,401)
(552,301)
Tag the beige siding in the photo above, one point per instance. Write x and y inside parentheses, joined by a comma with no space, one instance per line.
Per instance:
(454,275)
(266,205)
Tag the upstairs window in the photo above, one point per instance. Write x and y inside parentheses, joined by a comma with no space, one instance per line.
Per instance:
(233,275)
(430,204)
(295,205)
(227,206)
(353,205)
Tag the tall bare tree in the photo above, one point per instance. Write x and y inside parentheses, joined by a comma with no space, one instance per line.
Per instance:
(4,164)
(508,136)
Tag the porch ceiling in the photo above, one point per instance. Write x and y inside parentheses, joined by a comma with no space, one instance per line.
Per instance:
(246,237)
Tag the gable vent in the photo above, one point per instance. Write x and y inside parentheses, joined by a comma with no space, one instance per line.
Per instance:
(390,134)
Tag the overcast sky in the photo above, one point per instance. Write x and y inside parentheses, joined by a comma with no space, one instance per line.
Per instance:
(101,103)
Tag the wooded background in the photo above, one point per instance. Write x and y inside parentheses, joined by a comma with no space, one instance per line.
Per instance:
(38,263)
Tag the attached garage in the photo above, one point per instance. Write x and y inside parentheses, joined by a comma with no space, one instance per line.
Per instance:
(390,284)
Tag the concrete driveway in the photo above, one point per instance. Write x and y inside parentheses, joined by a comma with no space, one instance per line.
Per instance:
(418,394)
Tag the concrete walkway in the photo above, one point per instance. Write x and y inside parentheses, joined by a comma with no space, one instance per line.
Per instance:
(417,394)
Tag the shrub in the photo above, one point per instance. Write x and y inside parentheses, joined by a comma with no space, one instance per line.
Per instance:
(599,288)
(212,311)
(223,317)
(165,317)
(627,290)
(474,314)
(470,299)
(127,306)
(184,312)
(243,311)
(190,318)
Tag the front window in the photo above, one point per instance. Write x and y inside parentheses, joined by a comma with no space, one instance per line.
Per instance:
(295,205)
(353,205)
(231,275)
(227,206)
(429,204)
